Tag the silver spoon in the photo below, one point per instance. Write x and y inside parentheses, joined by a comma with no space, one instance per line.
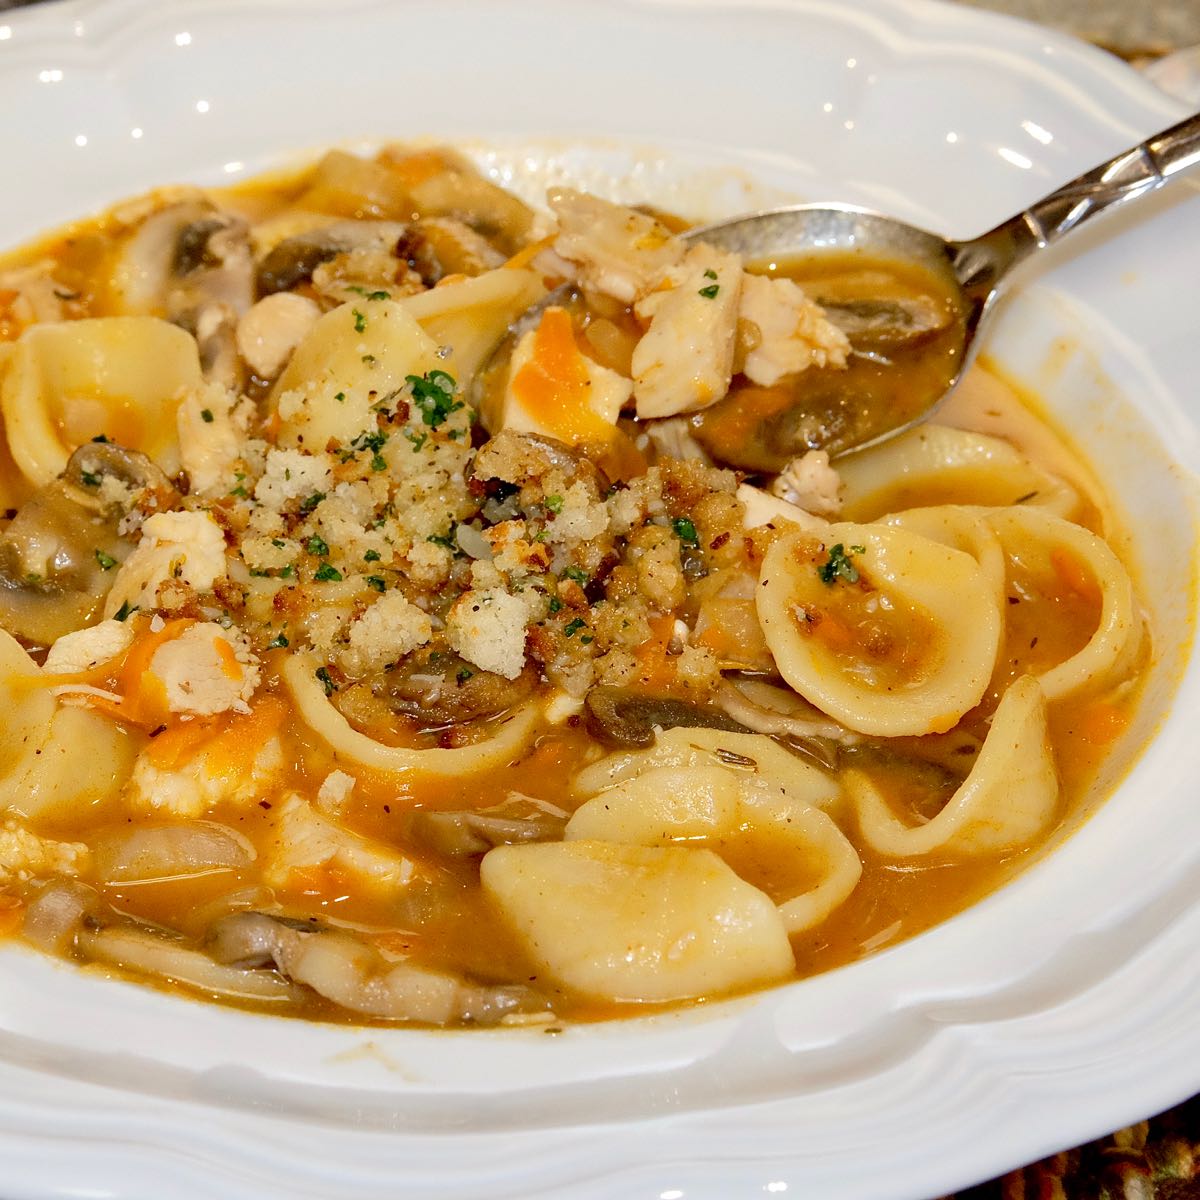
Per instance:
(976,271)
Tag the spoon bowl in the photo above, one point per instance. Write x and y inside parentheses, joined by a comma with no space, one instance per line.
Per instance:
(975,272)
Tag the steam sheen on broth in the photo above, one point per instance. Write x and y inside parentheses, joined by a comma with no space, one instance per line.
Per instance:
(368,659)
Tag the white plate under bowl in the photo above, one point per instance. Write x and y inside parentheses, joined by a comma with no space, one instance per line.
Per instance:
(1059,1008)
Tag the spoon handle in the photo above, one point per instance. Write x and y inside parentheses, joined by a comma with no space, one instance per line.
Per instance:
(981,263)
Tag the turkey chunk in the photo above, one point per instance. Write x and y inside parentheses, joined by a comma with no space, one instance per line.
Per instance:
(210,440)
(487,627)
(810,482)
(87,648)
(684,361)
(792,333)
(618,251)
(238,765)
(183,546)
(762,508)
(205,671)
(25,856)
(306,841)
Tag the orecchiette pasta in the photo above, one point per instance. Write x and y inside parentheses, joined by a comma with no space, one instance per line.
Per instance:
(726,808)
(355,749)
(638,923)
(1006,800)
(887,631)
(1080,562)
(937,464)
(66,383)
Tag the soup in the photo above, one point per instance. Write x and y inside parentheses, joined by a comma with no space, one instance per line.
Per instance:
(374,651)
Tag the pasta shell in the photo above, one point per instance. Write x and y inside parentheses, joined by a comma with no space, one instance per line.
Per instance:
(349,746)
(935,464)
(1048,545)
(122,377)
(635,923)
(1007,799)
(470,316)
(902,641)
(348,361)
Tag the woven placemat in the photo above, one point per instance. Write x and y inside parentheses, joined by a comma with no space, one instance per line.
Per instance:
(1157,1159)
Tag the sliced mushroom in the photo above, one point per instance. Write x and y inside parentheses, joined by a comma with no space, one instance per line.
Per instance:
(781,714)
(214,326)
(463,833)
(442,246)
(621,717)
(765,708)
(56,914)
(157,851)
(184,255)
(109,460)
(255,939)
(883,325)
(520,458)
(356,976)
(455,189)
(158,953)
(191,263)
(438,688)
(293,260)
(57,554)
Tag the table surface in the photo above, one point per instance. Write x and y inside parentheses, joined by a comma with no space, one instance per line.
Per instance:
(1133,28)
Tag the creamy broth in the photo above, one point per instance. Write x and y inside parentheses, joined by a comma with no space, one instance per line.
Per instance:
(457,676)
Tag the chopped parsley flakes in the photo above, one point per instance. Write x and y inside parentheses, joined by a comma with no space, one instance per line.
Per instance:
(327,573)
(327,683)
(278,642)
(433,394)
(838,565)
(370,439)
(572,627)
(447,539)
(685,531)
(710,292)
(376,582)
(371,556)
(206,416)
(360,321)
(106,561)
(318,546)
(123,613)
